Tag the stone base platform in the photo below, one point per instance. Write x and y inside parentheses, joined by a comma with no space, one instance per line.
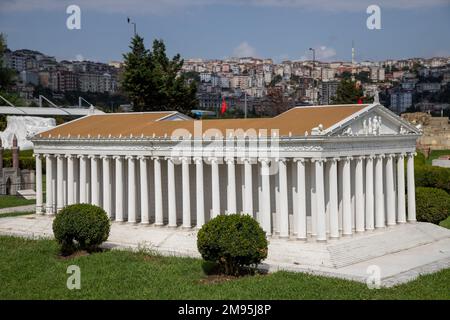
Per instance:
(401,253)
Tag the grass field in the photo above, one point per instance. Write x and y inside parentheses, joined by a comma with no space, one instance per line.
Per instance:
(445,223)
(436,154)
(13,201)
(15,214)
(32,269)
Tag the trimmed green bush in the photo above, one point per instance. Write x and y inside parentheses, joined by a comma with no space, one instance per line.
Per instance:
(81,227)
(432,205)
(235,242)
(434,177)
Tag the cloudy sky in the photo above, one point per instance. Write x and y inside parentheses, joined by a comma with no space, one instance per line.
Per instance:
(278,29)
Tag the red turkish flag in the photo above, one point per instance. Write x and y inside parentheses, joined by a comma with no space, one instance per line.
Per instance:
(224,106)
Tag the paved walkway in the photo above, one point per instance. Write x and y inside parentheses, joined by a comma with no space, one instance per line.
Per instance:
(400,253)
(26,208)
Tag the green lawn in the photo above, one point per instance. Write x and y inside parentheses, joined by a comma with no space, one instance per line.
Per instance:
(31,269)
(436,154)
(15,214)
(13,201)
(445,223)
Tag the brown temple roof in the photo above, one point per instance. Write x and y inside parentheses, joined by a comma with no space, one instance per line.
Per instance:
(292,122)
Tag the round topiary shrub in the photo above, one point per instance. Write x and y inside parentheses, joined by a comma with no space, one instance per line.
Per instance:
(81,227)
(235,242)
(432,204)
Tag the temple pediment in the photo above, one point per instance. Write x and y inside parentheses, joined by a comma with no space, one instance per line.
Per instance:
(373,120)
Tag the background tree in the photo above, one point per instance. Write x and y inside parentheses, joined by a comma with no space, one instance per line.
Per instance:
(6,74)
(154,82)
(347,92)
(137,74)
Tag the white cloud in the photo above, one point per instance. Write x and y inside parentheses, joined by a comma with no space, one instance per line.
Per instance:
(167,6)
(244,50)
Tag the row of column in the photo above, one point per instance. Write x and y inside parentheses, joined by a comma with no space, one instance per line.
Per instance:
(335,210)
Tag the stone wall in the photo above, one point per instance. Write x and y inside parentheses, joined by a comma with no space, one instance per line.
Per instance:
(436,131)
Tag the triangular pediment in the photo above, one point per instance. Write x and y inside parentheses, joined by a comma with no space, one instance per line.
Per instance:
(375,119)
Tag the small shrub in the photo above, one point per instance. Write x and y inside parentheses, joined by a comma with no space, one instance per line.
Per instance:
(235,242)
(433,177)
(81,227)
(432,205)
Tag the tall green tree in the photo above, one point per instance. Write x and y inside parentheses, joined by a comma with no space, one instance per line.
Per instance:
(347,92)
(155,82)
(6,74)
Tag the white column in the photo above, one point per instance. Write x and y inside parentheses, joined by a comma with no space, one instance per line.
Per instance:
(186,193)
(158,192)
(106,185)
(379,201)
(48,184)
(119,188)
(59,182)
(283,215)
(95,187)
(401,212)
(320,200)
(131,189)
(70,180)
(265,185)
(200,201)
(347,200)
(215,188)
(172,205)
(313,199)
(231,186)
(143,174)
(39,197)
(359,195)
(248,199)
(390,191)
(370,223)
(83,179)
(334,210)
(301,199)
(411,189)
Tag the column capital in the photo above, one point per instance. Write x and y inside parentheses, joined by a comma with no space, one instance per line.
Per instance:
(130,157)
(401,155)
(229,160)
(318,159)
(81,156)
(333,159)
(155,158)
(37,155)
(198,160)
(280,159)
(142,157)
(70,156)
(104,156)
(264,160)
(390,156)
(299,159)
(370,157)
(250,160)
(185,159)
(117,157)
(213,159)
(411,154)
(60,156)
(93,156)
(380,156)
(48,155)
(346,158)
